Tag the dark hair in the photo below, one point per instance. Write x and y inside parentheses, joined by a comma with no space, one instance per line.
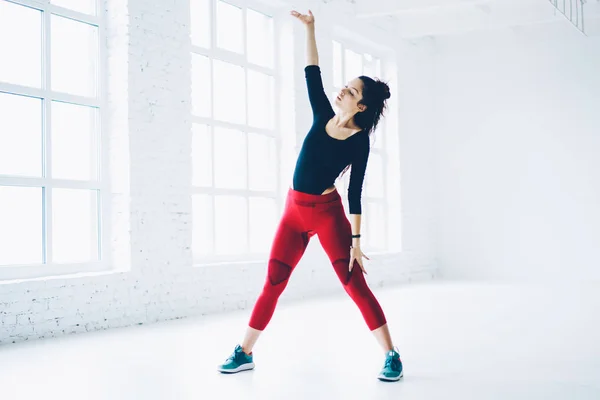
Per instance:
(374,96)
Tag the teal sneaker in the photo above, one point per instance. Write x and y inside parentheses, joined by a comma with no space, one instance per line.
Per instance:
(237,361)
(392,369)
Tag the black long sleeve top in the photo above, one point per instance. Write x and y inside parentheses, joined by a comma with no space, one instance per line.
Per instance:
(322,158)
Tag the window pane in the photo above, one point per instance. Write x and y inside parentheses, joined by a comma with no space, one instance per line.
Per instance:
(200,22)
(230,92)
(374,176)
(230,158)
(21,59)
(263,219)
(201,82)
(82,6)
(377,136)
(20,225)
(262,162)
(338,80)
(20,135)
(375,219)
(260,100)
(74,141)
(229,27)
(372,67)
(369,66)
(202,152)
(74,54)
(202,228)
(74,225)
(343,183)
(260,38)
(231,225)
(354,66)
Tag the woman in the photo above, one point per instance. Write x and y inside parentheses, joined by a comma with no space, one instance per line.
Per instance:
(313,205)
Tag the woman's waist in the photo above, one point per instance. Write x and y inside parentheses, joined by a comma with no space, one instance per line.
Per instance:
(328,195)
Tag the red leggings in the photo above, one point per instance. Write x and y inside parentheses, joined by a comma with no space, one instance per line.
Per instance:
(304,216)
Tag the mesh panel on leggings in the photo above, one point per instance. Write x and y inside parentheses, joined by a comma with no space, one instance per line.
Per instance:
(342,264)
(278,271)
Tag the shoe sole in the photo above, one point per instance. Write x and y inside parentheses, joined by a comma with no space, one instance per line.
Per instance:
(388,379)
(243,367)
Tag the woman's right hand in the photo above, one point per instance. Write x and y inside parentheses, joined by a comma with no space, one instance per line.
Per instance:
(306,19)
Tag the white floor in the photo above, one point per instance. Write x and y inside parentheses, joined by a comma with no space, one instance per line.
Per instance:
(457,341)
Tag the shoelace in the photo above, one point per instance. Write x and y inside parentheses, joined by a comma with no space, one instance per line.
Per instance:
(233,356)
(393,362)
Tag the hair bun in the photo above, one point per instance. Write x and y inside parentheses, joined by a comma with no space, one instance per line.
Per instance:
(384,90)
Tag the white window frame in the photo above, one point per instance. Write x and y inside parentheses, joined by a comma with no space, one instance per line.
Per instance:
(25,271)
(380,136)
(216,53)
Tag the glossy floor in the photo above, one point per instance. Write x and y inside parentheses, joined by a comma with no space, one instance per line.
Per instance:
(457,341)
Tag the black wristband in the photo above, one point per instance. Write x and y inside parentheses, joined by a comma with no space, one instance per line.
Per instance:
(356,236)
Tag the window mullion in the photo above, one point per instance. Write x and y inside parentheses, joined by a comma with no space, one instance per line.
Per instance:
(384,179)
(247,135)
(276,110)
(213,45)
(213,194)
(37,4)
(104,223)
(74,15)
(47,136)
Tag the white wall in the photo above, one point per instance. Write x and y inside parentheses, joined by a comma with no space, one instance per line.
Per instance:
(416,130)
(150,132)
(517,144)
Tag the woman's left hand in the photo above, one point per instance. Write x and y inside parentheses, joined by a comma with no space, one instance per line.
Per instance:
(357,254)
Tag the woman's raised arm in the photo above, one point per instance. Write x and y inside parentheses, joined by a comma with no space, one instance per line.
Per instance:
(312,56)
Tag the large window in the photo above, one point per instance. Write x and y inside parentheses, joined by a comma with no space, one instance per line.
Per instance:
(349,63)
(235,141)
(51,178)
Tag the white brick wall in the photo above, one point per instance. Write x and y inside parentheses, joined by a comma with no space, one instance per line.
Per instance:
(149,129)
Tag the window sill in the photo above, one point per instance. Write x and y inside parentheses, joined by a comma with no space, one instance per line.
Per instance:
(15,274)
(231,261)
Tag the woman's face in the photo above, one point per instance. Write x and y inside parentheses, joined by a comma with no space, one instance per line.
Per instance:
(348,98)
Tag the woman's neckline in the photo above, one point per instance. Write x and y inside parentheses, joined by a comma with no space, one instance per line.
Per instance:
(334,138)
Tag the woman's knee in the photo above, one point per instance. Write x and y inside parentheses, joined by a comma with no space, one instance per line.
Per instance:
(278,273)
(357,285)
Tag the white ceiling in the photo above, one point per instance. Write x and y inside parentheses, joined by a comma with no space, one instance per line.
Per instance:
(414,18)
